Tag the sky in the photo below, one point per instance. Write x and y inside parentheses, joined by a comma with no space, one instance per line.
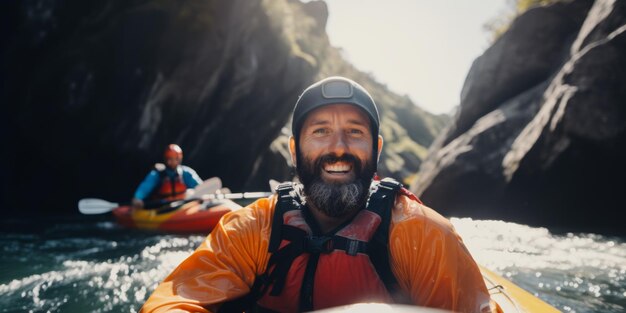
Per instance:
(422,48)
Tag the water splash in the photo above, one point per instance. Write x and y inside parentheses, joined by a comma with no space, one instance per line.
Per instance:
(90,274)
(574,272)
(99,267)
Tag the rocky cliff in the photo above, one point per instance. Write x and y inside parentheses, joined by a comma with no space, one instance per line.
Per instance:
(540,136)
(93,91)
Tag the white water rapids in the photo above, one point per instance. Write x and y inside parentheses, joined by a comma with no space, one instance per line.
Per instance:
(99,267)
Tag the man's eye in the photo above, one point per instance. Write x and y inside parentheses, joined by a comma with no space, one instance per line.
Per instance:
(355,131)
(320,131)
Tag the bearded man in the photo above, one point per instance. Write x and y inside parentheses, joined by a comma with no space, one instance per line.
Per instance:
(338,237)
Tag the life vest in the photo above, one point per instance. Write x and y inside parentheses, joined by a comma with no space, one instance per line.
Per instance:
(169,188)
(307,271)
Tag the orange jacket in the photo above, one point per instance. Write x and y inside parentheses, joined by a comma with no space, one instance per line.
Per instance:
(427,257)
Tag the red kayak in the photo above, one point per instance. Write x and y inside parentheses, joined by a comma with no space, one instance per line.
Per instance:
(192,217)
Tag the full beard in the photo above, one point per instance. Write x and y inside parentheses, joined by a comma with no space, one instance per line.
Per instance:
(335,199)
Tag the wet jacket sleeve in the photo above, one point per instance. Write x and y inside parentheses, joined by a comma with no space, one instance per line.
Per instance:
(147,185)
(224,266)
(190,177)
(431,263)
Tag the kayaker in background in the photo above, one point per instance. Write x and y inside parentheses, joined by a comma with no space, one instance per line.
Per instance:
(167,181)
(339,237)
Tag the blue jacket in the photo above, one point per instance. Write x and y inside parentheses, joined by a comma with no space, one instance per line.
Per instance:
(153,179)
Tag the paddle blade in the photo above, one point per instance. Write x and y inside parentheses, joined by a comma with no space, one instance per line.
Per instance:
(208,186)
(95,206)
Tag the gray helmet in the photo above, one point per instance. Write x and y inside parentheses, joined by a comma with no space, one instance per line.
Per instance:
(334,90)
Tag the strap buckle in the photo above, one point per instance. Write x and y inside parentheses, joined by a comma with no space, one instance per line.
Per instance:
(389,184)
(284,186)
(286,191)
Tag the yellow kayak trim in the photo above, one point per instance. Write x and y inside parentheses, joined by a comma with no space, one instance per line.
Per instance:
(512,298)
(150,219)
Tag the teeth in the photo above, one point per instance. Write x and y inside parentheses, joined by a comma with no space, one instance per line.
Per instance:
(337,168)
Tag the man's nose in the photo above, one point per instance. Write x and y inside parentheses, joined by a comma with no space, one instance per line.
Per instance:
(339,145)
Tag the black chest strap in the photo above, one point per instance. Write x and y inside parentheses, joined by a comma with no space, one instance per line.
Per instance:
(382,202)
(288,199)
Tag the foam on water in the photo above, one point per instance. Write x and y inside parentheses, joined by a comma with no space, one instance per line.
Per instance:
(99,267)
(83,281)
(574,272)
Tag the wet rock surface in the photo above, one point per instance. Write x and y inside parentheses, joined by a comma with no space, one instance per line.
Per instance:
(540,136)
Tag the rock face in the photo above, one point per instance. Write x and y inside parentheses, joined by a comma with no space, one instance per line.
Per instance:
(92,93)
(540,136)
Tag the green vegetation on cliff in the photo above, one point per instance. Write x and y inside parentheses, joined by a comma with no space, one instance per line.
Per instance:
(498,25)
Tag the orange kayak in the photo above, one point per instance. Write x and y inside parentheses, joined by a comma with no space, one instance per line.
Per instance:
(192,217)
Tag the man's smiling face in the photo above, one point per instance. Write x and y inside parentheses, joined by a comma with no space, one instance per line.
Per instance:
(335,158)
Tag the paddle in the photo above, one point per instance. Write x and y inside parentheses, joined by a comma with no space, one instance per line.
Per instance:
(96,206)
(237,195)
(99,206)
(210,185)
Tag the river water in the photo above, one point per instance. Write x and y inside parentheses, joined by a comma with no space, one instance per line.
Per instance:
(92,265)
